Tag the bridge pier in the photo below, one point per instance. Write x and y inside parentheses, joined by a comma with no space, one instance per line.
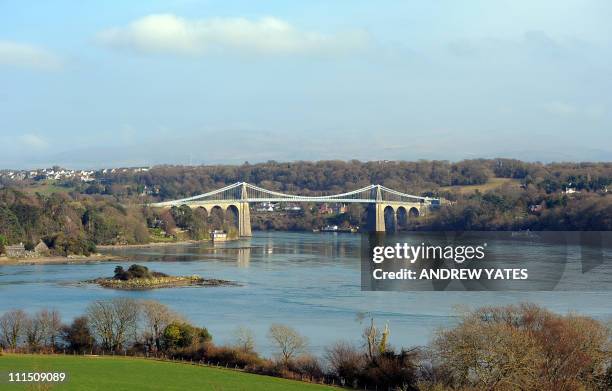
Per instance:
(379,225)
(378,221)
(376,217)
(244,220)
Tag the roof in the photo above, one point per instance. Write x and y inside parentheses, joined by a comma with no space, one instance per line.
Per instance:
(15,247)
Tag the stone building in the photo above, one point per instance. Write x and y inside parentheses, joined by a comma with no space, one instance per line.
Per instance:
(15,251)
(41,249)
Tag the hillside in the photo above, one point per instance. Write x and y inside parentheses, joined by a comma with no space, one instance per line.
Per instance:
(119,373)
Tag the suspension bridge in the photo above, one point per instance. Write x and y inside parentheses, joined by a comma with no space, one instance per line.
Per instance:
(385,206)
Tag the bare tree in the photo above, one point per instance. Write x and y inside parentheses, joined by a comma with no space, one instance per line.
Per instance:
(156,317)
(372,338)
(244,339)
(288,341)
(12,327)
(113,322)
(523,347)
(51,326)
(33,332)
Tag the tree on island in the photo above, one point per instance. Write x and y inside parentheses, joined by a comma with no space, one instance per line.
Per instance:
(134,272)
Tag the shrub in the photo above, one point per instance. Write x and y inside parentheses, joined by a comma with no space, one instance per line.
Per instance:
(136,272)
(524,347)
(194,352)
(182,335)
(221,355)
(120,273)
(77,336)
(232,356)
(392,370)
(3,243)
(345,361)
(307,365)
(139,271)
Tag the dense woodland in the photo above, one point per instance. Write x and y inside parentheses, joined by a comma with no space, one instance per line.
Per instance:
(110,209)
(336,176)
(68,224)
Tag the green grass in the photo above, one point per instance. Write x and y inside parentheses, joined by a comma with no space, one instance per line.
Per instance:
(157,235)
(492,184)
(121,373)
(47,187)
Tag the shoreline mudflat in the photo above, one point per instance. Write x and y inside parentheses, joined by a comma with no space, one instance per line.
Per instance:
(59,260)
(152,244)
(104,257)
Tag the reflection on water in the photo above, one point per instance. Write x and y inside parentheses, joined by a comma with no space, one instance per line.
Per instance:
(309,281)
(244,257)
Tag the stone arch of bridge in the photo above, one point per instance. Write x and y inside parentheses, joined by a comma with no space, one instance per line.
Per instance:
(383,216)
(390,219)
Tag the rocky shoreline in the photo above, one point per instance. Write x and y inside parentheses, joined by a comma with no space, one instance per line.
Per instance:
(93,258)
(160,282)
(60,260)
(156,244)
(152,244)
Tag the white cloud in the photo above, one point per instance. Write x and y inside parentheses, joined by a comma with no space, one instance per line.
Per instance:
(167,33)
(24,55)
(33,141)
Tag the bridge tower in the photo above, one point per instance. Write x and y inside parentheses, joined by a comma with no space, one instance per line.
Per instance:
(380,211)
(244,213)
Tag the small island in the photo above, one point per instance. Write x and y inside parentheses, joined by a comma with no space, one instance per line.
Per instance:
(138,277)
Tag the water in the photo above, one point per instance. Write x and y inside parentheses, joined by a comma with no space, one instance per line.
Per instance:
(309,281)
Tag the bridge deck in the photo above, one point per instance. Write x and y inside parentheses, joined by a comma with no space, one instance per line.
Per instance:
(245,192)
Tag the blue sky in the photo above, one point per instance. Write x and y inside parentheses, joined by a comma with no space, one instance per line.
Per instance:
(141,83)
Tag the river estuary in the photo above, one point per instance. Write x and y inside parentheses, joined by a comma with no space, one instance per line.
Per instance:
(306,280)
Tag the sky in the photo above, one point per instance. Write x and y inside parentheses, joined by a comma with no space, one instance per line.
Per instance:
(130,83)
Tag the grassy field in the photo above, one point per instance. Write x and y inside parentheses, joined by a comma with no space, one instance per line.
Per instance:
(46,188)
(119,373)
(492,184)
